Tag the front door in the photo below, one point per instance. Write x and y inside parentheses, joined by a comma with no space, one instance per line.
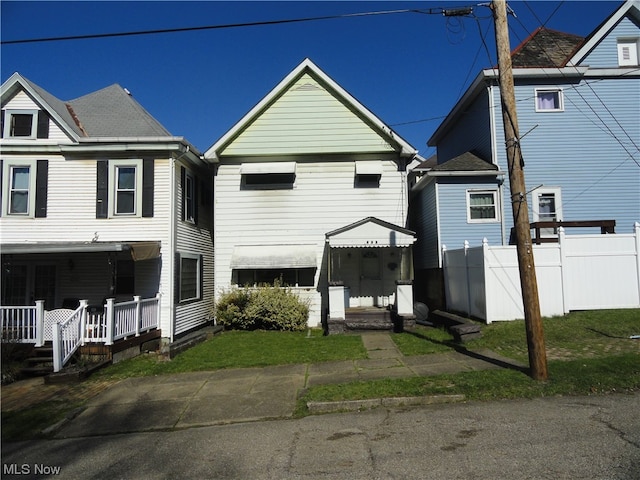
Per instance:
(23,284)
(370,277)
(547,207)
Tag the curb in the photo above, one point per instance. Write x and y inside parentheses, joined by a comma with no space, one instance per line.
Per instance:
(359,405)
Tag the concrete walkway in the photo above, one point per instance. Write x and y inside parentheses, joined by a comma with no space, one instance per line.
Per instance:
(241,395)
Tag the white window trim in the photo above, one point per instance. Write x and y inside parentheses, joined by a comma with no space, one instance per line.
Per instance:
(496,205)
(549,110)
(7,123)
(7,165)
(113,167)
(632,44)
(189,177)
(535,205)
(197,258)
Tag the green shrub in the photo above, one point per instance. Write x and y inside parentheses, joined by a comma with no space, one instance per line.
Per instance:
(262,308)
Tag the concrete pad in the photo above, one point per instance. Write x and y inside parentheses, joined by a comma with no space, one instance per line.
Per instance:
(371,364)
(325,368)
(439,369)
(227,386)
(395,372)
(374,354)
(341,377)
(122,418)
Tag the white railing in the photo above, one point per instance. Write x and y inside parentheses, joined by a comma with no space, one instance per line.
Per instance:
(580,272)
(22,324)
(119,321)
(68,336)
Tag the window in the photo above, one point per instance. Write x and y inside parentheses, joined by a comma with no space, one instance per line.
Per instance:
(290,277)
(190,277)
(268,175)
(546,206)
(482,206)
(368,180)
(19,188)
(549,100)
(189,198)
(125,179)
(125,277)
(20,123)
(368,174)
(628,52)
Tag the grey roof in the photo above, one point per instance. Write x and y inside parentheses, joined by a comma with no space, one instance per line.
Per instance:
(546,48)
(112,112)
(467,162)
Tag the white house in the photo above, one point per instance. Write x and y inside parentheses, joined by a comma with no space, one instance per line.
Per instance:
(310,188)
(100,201)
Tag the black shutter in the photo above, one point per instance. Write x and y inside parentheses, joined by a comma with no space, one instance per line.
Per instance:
(43,124)
(102,189)
(196,201)
(2,124)
(1,170)
(42,180)
(183,181)
(147,187)
(201,283)
(176,279)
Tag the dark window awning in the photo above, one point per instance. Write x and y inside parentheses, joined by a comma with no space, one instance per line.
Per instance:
(139,250)
(273,256)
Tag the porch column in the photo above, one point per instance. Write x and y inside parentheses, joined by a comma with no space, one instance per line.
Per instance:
(39,323)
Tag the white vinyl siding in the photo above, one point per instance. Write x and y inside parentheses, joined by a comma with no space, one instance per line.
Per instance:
(307,119)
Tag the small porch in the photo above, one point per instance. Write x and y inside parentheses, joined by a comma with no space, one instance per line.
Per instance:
(107,330)
(370,272)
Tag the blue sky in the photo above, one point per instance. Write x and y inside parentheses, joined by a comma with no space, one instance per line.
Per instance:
(405,67)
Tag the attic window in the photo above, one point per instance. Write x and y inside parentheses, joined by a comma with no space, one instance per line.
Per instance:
(549,100)
(268,175)
(20,123)
(628,53)
(368,174)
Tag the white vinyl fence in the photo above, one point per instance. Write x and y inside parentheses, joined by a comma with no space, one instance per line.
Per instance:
(580,272)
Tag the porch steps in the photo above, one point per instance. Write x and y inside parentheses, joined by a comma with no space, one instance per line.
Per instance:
(368,319)
(40,362)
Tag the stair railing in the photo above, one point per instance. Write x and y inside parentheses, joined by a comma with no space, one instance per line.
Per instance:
(68,335)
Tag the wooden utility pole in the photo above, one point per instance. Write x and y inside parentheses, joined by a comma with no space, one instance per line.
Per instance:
(528,282)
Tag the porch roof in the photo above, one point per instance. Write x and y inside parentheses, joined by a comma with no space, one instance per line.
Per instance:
(274,256)
(139,250)
(371,232)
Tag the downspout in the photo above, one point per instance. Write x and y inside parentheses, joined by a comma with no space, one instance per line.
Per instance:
(172,249)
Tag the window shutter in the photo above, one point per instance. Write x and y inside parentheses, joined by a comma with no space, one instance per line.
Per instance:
(201,283)
(2,124)
(43,124)
(176,279)
(183,181)
(102,189)
(42,180)
(147,187)
(196,201)
(1,171)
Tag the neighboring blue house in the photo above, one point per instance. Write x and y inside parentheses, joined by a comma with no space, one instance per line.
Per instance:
(578,104)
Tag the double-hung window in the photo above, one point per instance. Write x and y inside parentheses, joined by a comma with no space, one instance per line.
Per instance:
(189,198)
(549,100)
(19,188)
(189,286)
(126,182)
(482,206)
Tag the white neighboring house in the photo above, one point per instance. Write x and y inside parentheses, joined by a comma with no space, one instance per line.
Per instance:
(311,189)
(100,201)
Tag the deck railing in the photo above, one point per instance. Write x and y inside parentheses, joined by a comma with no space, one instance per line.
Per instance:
(117,321)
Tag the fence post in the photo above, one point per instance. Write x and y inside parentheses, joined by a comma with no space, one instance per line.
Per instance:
(57,350)
(136,298)
(636,231)
(485,254)
(39,323)
(562,247)
(466,273)
(109,319)
(158,300)
(83,320)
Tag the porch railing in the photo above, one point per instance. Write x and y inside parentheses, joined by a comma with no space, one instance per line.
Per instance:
(118,321)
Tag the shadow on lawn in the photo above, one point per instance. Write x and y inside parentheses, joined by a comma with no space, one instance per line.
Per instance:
(499,362)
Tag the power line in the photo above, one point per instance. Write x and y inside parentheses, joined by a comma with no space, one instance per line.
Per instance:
(428,11)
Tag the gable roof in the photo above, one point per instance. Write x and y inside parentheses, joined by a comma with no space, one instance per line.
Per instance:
(110,112)
(307,67)
(629,7)
(545,48)
(466,162)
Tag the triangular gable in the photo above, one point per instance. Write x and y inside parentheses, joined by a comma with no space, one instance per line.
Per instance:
(371,232)
(307,112)
(55,107)
(629,7)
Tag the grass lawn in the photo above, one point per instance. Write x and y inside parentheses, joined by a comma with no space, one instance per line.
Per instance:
(588,352)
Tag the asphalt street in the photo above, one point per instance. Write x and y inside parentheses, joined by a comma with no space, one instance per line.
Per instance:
(595,437)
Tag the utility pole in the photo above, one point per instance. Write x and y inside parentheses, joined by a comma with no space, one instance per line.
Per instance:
(528,282)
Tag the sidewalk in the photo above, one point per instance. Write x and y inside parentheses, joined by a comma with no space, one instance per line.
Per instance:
(230,396)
